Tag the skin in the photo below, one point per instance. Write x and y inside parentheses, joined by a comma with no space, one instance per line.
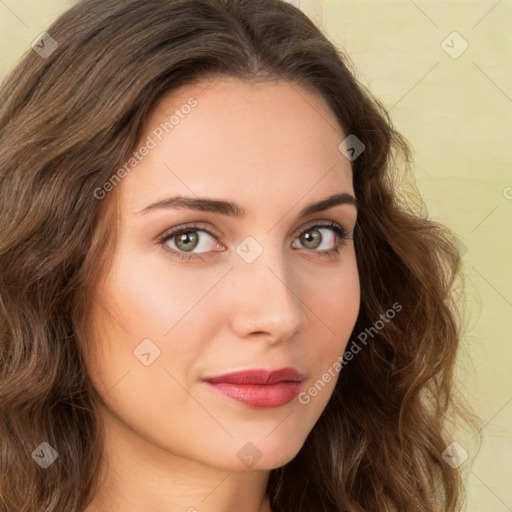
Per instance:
(171,442)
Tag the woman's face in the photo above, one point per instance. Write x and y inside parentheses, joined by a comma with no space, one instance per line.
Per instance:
(258,290)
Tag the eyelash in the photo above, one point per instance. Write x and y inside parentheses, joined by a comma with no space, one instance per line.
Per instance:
(341,232)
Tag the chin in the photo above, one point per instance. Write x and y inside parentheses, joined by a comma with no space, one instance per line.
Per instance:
(266,454)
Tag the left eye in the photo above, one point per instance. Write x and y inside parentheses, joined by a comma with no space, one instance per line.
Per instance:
(312,238)
(186,239)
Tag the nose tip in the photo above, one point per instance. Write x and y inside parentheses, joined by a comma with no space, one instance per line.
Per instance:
(264,303)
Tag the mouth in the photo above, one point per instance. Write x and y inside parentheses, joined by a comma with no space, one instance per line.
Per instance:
(259,388)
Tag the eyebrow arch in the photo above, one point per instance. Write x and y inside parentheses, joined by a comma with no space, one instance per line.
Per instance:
(206,204)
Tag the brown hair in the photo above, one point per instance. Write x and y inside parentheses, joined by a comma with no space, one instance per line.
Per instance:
(71,119)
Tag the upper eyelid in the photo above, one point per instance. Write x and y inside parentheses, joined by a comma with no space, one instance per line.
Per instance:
(199,226)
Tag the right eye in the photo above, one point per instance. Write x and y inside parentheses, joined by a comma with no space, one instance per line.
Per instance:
(186,239)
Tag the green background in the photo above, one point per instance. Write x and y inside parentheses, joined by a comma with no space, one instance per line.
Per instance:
(457,114)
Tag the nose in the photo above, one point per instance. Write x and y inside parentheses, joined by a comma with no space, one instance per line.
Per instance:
(264,299)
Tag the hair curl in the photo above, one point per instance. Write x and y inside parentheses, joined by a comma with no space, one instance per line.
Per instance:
(71,119)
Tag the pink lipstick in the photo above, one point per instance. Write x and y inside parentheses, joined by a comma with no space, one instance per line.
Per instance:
(262,389)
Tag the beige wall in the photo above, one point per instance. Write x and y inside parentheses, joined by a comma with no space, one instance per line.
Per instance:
(457,113)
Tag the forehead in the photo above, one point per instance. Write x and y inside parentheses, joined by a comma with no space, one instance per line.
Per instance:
(266,143)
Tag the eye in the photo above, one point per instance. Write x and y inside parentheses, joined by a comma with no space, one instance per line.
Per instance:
(329,237)
(330,234)
(187,239)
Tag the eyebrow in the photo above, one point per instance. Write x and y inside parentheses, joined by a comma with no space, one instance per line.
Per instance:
(206,204)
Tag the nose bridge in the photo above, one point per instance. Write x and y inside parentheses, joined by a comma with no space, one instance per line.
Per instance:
(264,297)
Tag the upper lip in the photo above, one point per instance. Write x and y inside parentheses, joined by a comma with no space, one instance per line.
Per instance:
(258,376)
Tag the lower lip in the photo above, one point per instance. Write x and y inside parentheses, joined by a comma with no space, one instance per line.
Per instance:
(259,396)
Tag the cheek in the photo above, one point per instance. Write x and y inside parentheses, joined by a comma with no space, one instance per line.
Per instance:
(143,309)
(166,302)
(142,299)
(152,296)
(335,304)
(335,308)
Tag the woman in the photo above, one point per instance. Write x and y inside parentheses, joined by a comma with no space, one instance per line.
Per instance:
(213,295)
